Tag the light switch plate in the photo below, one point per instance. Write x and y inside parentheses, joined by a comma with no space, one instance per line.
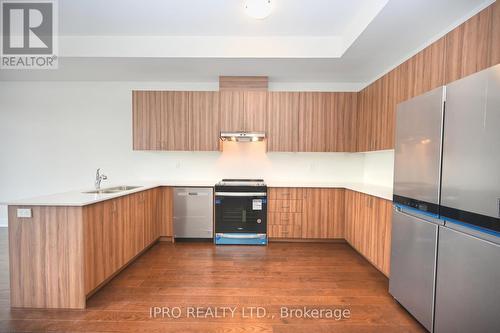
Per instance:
(24,213)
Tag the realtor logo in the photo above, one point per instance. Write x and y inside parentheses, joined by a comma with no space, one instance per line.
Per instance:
(28,34)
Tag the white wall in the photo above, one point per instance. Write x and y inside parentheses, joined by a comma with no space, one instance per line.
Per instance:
(379,168)
(53,135)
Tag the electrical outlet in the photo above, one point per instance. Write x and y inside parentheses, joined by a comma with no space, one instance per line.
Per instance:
(24,213)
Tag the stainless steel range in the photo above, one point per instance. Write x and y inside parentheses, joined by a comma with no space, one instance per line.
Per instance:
(241,212)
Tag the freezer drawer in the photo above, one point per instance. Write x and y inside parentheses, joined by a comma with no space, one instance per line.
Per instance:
(417,165)
(193,212)
(413,264)
(467,293)
(471,150)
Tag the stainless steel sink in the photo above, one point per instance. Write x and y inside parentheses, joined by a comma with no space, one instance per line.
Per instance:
(115,189)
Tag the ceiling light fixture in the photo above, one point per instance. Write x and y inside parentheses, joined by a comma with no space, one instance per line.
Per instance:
(258,9)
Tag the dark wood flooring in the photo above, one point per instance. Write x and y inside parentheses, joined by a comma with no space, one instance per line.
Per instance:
(200,275)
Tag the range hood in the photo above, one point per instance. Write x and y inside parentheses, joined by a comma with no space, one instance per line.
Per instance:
(242,136)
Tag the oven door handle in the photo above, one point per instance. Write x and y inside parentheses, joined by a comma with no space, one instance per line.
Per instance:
(241,194)
(241,236)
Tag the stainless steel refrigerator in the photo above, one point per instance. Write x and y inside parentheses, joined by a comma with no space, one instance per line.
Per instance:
(415,226)
(445,258)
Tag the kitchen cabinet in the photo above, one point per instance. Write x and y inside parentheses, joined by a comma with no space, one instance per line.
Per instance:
(115,231)
(306,213)
(340,121)
(204,128)
(165,212)
(323,213)
(231,111)
(468,47)
(368,227)
(174,120)
(147,120)
(243,111)
(312,124)
(283,121)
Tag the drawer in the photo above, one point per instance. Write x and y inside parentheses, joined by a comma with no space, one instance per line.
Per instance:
(285,193)
(285,218)
(284,231)
(285,206)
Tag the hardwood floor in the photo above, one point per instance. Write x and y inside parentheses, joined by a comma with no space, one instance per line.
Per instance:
(189,275)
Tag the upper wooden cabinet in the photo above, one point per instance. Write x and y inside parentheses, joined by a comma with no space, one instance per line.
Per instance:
(312,124)
(243,111)
(204,125)
(146,120)
(255,111)
(174,120)
(340,120)
(283,121)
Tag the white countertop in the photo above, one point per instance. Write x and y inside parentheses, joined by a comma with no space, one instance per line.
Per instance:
(79,198)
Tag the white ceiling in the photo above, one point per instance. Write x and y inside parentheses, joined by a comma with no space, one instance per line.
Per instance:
(400,29)
(206,17)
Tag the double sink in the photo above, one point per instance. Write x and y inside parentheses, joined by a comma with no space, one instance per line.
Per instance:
(110,190)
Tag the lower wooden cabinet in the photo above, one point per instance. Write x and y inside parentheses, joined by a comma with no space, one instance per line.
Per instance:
(368,227)
(307,213)
(116,230)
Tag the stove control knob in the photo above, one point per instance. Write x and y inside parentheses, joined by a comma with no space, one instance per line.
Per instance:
(259,221)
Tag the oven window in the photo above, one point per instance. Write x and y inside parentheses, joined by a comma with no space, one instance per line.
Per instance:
(240,214)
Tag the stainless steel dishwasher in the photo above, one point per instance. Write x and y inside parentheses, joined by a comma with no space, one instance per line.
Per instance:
(193,212)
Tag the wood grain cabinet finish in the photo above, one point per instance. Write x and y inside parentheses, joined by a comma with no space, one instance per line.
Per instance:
(174,120)
(306,213)
(147,120)
(340,120)
(255,111)
(283,121)
(469,48)
(323,213)
(368,227)
(62,255)
(243,111)
(231,111)
(312,121)
(204,128)
(46,258)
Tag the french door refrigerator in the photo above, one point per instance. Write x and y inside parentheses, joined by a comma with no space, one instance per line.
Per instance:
(415,225)
(445,257)
(468,271)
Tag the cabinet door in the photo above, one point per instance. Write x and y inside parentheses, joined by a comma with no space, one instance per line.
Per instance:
(231,111)
(364,121)
(174,120)
(204,121)
(336,214)
(315,213)
(165,210)
(468,46)
(146,119)
(340,122)
(95,265)
(282,121)
(137,219)
(255,111)
(312,125)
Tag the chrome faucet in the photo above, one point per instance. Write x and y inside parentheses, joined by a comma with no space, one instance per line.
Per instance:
(99,178)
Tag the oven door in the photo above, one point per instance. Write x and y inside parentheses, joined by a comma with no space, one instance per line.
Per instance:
(240,213)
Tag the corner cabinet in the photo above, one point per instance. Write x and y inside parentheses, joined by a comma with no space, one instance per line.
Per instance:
(368,227)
